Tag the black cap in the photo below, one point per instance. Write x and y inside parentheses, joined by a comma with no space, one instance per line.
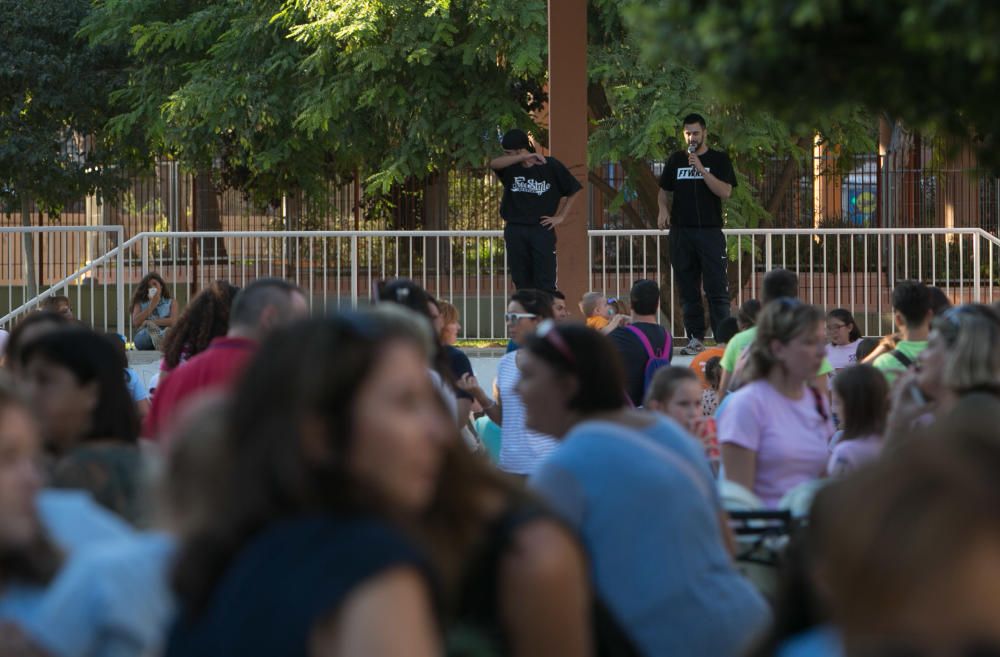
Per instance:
(515,140)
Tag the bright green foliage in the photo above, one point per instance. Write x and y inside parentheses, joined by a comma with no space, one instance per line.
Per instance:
(53,92)
(935,64)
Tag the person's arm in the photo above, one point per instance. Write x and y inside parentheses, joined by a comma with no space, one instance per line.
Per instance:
(504,161)
(358,627)
(721,189)
(464,410)
(565,203)
(493,410)
(169,320)
(615,322)
(740,464)
(142,408)
(724,382)
(545,600)
(663,203)
(140,316)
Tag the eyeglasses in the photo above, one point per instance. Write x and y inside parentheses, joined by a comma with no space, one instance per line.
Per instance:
(510,318)
(548,331)
(835,327)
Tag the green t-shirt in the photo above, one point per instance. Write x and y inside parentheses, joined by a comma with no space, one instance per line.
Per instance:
(742,340)
(891,366)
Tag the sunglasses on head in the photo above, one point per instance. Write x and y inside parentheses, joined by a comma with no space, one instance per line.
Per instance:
(549,332)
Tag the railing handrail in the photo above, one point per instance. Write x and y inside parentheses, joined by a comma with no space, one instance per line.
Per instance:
(623,232)
(27,305)
(62,229)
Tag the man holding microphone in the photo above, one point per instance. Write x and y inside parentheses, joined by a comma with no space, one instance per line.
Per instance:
(697,180)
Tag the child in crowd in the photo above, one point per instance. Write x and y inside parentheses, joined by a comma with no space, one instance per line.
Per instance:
(861,401)
(677,393)
(727,329)
(594,306)
(710,395)
(843,335)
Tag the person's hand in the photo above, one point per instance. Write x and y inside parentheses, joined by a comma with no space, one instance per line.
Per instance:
(467,383)
(662,220)
(156,292)
(553,221)
(907,402)
(695,162)
(534,158)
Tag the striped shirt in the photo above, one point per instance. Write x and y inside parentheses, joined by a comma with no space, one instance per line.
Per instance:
(521,449)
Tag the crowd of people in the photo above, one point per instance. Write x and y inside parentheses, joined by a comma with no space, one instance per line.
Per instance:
(345,485)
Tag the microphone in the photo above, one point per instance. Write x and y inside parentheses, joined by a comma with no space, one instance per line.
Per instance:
(692,148)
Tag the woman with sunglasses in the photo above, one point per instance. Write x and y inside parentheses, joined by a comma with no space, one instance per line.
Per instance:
(775,431)
(521,449)
(640,492)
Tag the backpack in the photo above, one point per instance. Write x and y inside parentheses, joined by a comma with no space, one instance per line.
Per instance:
(903,359)
(655,361)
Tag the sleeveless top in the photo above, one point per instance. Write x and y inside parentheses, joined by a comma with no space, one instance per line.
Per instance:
(162,308)
(476,630)
(288,579)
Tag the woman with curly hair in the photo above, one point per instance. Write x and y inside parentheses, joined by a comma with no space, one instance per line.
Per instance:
(205,318)
(153,312)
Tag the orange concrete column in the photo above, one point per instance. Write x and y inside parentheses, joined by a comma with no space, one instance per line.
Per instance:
(568,135)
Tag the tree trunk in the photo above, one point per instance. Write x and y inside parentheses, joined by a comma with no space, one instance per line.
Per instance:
(436,198)
(29,249)
(206,213)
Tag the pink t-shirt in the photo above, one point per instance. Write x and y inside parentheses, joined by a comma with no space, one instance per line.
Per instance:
(790,436)
(849,455)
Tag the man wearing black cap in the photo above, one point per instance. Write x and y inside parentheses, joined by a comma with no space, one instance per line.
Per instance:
(538,193)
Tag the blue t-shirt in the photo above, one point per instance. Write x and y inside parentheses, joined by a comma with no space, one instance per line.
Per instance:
(136,388)
(649,520)
(73,521)
(110,600)
(286,581)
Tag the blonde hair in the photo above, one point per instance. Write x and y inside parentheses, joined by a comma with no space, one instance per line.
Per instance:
(588,304)
(783,319)
(972,335)
(449,315)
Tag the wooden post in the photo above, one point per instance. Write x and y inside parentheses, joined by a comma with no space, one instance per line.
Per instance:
(568,136)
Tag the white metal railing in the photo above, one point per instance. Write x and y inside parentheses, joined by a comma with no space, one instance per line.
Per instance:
(83,263)
(854,269)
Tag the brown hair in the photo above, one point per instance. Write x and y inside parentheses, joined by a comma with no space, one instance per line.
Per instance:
(865,395)
(783,320)
(205,318)
(881,535)
(665,383)
(141,290)
(972,335)
(449,315)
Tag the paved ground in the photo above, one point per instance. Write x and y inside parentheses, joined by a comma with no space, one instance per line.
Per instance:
(484,364)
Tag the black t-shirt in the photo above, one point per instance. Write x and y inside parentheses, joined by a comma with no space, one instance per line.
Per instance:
(694,203)
(530,193)
(460,365)
(634,356)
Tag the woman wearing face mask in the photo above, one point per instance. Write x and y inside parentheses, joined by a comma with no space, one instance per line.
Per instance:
(74,381)
(662,567)
(775,431)
(153,312)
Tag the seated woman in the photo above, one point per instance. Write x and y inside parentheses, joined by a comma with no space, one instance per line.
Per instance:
(776,429)
(153,312)
(662,567)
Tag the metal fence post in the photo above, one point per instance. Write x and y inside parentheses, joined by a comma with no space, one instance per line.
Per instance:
(354,271)
(977,294)
(120,281)
(768,251)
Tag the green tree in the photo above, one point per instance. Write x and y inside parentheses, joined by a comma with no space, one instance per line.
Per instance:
(53,103)
(932,64)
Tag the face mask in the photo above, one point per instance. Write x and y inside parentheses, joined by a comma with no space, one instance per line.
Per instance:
(152,292)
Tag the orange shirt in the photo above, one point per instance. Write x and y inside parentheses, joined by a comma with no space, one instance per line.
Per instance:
(698,363)
(597,322)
